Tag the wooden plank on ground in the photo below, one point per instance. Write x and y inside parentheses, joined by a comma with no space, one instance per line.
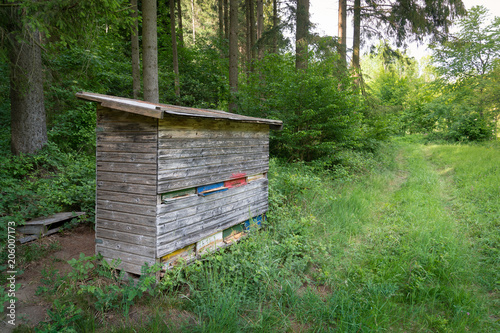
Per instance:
(42,224)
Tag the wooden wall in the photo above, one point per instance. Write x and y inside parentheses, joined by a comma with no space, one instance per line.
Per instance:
(201,151)
(126,188)
(186,220)
(140,158)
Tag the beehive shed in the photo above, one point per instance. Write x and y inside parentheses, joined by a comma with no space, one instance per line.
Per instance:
(172,181)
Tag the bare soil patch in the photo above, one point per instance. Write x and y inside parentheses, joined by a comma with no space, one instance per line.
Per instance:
(30,308)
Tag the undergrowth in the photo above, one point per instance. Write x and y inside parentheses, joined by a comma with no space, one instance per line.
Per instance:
(407,246)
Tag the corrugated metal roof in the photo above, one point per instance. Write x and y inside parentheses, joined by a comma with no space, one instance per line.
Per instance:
(159,110)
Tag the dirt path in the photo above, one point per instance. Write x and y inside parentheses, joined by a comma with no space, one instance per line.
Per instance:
(30,308)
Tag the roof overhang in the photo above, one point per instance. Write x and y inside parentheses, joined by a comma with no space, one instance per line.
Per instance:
(158,111)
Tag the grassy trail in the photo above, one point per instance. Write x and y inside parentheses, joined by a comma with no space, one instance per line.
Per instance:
(416,262)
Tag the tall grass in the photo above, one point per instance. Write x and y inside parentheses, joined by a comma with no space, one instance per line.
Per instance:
(411,245)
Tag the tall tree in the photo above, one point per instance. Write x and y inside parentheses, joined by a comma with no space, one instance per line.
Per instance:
(473,50)
(28,124)
(342,31)
(23,25)
(301,34)
(233,51)
(356,41)
(260,27)
(175,60)
(193,20)
(404,20)
(226,19)
(221,18)
(150,51)
(179,16)
(136,65)
(275,26)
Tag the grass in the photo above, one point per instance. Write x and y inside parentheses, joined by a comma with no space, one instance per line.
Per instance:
(410,246)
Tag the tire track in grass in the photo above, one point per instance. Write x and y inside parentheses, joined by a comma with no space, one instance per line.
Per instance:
(410,262)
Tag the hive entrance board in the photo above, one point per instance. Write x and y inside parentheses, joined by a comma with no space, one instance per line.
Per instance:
(47,225)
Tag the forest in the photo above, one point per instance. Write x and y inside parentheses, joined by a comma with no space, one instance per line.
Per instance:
(384,182)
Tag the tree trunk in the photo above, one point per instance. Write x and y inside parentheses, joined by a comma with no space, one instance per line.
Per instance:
(275,26)
(175,59)
(193,21)
(301,34)
(342,33)
(252,32)
(260,27)
(179,16)
(356,42)
(28,123)
(150,51)
(221,18)
(136,65)
(233,52)
(248,48)
(226,19)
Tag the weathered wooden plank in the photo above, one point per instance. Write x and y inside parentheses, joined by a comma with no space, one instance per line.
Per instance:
(127,137)
(168,154)
(133,229)
(129,178)
(205,143)
(125,256)
(126,217)
(207,161)
(125,237)
(247,190)
(171,185)
(125,127)
(125,188)
(131,147)
(107,114)
(131,157)
(137,168)
(235,182)
(188,123)
(141,110)
(126,207)
(187,253)
(237,167)
(232,195)
(126,267)
(175,195)
(40,225)
(198,213)
(235,209)
(206,133)
(121,245)
(202,212)
(184,239)
(210,243)
(256,177)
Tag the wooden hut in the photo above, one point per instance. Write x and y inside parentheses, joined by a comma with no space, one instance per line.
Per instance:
(173,181)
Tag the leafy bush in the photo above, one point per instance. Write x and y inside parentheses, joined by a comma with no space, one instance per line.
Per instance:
(319,118)
(44,184)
